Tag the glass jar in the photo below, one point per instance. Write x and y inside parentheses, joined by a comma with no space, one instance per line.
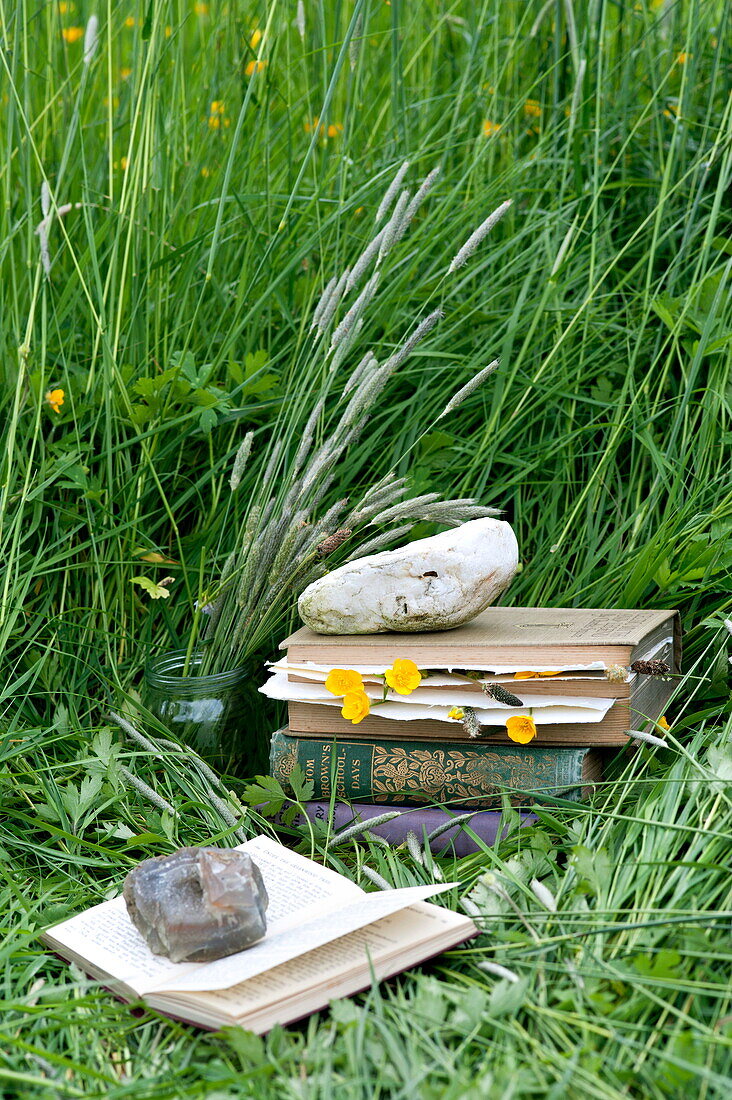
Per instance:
(212,713)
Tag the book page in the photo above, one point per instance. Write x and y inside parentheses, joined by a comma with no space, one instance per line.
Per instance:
(279,687)
(545,709)
(436,678)
(281,946)
(320,670)
(106,936)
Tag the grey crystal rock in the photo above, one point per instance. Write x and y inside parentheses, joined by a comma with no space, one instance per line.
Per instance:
(197,904)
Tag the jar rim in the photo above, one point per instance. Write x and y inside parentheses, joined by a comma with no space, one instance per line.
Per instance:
(165,671)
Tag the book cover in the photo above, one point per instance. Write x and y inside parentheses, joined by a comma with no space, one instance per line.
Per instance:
(503,636)
(465,775)
(459,840)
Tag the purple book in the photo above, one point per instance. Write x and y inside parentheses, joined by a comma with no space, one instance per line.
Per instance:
(420,820)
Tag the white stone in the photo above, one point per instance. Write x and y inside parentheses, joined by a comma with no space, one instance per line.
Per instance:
(432,584)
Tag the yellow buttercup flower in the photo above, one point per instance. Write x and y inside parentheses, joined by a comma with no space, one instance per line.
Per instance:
(55,398)
(72,34)
(356,706)
(255,67)
(200,9)
(334,129)
(456,712)
(532,107)
(255,39)
(531,675)
(125,73)
(682,58)
(216,116)
(341,681)
(521,728)
(403,677)
(490,127)
(663,723)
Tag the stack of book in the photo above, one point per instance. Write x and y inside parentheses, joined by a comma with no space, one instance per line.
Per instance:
(524,701)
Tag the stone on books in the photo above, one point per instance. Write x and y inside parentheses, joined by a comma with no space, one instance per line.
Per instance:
(197,904)
(431,584)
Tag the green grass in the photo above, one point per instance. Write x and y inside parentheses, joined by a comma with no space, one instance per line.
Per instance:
(605,436)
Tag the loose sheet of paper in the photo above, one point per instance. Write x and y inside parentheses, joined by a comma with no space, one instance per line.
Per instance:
(433,678)
(498,670)
(437,703)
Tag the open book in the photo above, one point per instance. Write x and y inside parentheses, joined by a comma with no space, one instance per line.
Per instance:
(326,938)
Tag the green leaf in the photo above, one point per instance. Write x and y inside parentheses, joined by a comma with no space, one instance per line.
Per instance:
(507,997)
(719,761)
(267,790)
(155,591)
(208,420)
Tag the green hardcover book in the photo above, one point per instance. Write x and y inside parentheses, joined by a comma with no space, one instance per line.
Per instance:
(414,772)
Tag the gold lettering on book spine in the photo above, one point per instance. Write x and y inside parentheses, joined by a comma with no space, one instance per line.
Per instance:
(439,774)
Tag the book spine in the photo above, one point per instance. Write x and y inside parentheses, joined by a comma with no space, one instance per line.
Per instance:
(411,773)
(460,840)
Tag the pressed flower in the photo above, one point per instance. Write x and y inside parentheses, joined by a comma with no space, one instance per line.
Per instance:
(521,728)
(356,706)
(524,675)
(559,673)
(663,723)
(490,127)
(403,677)
(342,681)
(532,108)
(72,34)
(55,398)
(456,712)
(255,67)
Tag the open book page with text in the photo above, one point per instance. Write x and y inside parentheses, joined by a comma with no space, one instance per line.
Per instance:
(309,905)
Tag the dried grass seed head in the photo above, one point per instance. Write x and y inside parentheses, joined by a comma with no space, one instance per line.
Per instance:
(468,388)
(467,250)
(391,192)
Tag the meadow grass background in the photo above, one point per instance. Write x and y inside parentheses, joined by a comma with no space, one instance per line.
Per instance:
(217,180)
